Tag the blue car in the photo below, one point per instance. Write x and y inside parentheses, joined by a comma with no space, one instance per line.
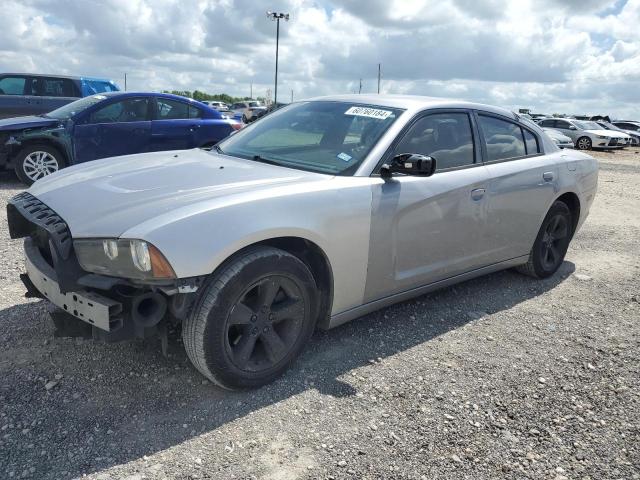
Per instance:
(108,125)
(34,94)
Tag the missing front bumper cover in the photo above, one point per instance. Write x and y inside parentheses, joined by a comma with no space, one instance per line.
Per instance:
(96,310)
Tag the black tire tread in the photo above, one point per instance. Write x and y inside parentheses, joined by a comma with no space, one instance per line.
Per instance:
(193,327)
(529,267)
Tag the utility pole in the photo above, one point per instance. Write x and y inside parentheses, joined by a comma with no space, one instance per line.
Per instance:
(360,89)
(125,82)
(251,90)
(277,16)
(379,69)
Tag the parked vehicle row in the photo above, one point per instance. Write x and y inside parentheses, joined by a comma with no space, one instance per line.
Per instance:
(31,94)
(587,135)
(322,211)
(107,125)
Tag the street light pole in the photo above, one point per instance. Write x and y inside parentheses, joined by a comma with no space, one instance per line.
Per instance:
(277,16)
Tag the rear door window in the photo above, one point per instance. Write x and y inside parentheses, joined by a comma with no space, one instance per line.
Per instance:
(172,110)
(563,124)
(55,87)
(503,139)
(194,112)
(13,86)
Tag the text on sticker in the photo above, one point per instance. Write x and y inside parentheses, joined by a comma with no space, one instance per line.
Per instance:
(368,112)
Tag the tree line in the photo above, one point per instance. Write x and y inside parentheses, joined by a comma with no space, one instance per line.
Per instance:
(219,97)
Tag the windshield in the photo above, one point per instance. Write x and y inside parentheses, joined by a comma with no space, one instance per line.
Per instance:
(610,126)
(71,109)
(254,104)
(324,137)
(588,125)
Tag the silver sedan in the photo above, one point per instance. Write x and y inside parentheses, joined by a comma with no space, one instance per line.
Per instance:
(319,213)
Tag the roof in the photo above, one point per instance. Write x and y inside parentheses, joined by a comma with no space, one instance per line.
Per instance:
(412,102)
(70,77)
(131,93)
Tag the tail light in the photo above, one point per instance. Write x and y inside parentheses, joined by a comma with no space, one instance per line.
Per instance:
(237,125)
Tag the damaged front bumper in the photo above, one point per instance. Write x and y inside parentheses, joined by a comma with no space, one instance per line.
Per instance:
(97,310)
(115,308)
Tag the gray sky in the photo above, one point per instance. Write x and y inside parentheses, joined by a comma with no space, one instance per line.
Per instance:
(567,56)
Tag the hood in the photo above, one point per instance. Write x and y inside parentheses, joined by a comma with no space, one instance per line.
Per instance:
(20,123)
(632,133)
(606,133)
(105,198)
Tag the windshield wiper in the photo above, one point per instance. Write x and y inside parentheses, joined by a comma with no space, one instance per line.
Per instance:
(258,158)
(218,149)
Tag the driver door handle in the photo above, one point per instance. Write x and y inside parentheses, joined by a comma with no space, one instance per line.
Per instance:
(477,193)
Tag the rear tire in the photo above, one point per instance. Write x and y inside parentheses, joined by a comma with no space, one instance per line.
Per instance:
(584,143)
(551,244)
(37,161)
(252,319)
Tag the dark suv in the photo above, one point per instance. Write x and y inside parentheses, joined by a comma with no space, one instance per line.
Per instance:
(30,94)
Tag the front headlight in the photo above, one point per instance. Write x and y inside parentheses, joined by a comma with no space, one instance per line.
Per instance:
(134,259)
(601,137)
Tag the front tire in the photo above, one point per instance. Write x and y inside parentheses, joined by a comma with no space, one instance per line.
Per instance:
(584,143)
(551,244)
(34,162)
(252,319)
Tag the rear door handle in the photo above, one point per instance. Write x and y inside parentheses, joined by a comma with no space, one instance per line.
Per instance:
(477,193)
(547,176)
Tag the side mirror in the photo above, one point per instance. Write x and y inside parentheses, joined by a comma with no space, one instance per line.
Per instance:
(409,164)
(572,128)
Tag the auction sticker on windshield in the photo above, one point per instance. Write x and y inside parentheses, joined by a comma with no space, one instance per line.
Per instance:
(368,112)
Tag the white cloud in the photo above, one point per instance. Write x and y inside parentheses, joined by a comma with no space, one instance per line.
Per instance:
(579,56)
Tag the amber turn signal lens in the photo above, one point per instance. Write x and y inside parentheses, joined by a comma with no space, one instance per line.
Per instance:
(159,265)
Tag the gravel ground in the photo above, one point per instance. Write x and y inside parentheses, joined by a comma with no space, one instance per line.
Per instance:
(499,377)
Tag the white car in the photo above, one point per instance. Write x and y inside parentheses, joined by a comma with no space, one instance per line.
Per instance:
(250,110)
(215,104)
(587,135)
(560,139)
(319,213)
(634,136)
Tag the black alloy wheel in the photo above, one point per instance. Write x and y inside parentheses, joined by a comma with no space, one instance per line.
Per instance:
(265,323)
(551,244)
(252,318)
(554,242)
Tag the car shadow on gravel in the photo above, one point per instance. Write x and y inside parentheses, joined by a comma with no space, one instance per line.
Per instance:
(114,403)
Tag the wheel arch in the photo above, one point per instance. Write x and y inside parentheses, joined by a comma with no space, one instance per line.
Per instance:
(571,200)
(313,257)
(31,141)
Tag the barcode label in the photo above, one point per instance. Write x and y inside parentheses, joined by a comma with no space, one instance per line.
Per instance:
(368,112)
